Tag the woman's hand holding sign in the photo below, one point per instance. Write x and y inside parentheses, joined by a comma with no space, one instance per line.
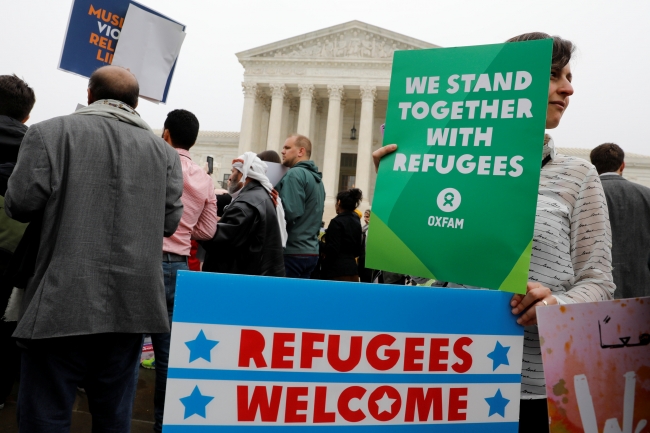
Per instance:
(536,294)
(378,154)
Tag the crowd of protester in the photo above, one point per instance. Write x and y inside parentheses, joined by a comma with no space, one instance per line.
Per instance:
(99,214)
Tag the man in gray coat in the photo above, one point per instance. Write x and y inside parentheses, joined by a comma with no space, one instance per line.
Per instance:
(108,190)
(629,216)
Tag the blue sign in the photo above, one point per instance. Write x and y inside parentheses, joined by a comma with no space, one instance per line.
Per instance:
(92,34)
(252,353)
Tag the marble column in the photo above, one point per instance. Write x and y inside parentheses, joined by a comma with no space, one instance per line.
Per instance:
(278,93)
(364,152)
(248,115)
(294,105)
(257,116)
(286,119)
(318,132)
(263,132)
(332,148)
(312,128)
(344,102)
(304,113)
(313,125)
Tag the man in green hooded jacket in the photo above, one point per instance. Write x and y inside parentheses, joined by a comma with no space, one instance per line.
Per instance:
(303,197)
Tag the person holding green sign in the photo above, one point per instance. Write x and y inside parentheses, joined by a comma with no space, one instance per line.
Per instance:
(571,256)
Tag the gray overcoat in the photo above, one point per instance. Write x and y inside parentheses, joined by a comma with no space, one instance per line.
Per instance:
(629,216)
(108,191)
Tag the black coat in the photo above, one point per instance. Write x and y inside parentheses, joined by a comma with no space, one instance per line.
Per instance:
(342,246)
(248,238)
(19,263)
(11,135)
(629,216)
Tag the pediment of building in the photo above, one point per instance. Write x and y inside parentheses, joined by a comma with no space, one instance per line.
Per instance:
(353,40)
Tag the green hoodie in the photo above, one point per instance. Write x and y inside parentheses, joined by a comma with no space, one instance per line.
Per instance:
(303,198)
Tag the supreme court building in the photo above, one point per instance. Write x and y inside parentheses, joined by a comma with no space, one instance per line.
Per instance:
(332,86)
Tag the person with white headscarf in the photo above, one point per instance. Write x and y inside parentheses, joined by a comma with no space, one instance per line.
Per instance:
(252,232)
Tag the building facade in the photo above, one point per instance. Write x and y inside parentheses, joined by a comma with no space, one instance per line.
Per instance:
(332,86)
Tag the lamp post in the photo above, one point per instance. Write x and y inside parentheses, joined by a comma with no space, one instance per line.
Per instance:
(353,131)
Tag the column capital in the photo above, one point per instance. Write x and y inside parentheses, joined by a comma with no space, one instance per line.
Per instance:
(278,90)
(265,101)
(293,104)
(306,91)
(368,93)
(250,89)
(335,92)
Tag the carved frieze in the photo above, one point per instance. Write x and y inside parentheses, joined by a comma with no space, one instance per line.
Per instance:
(320,69)
(353,44)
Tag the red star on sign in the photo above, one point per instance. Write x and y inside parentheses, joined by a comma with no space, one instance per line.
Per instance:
(384,403)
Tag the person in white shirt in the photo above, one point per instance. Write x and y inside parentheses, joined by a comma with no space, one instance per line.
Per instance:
(571,257)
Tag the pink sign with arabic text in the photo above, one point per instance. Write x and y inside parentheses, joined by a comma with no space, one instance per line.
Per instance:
(597,366)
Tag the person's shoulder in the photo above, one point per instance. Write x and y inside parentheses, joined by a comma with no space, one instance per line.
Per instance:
(614,181)
(335,222)
(575,166)
(54,128)
(249,204)
(196,170)
(253,194)
(240,204)
(353,218)
(55,123)
(294,175)
(201,181)
(636,186)
(90,121)
(296,172)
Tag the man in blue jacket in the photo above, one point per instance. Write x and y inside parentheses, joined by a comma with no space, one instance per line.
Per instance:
(303,197)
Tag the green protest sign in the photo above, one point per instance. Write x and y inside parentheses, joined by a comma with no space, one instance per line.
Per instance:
(456,201)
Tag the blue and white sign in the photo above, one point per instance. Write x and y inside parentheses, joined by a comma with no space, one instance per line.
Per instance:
(93,31)
(252,353)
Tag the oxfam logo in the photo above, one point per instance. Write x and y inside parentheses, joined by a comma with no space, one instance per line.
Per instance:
(448,200)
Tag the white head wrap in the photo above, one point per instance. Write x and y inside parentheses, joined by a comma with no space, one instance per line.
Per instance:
(251,166)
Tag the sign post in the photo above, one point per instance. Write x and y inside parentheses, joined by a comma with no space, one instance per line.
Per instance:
(254,353)
(456,201)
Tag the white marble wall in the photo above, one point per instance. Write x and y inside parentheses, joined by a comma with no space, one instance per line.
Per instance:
(222,146)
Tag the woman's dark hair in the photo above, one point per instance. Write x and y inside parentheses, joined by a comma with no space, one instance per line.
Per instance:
(270,156)
(607,158)
(349,200)
(562,48)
